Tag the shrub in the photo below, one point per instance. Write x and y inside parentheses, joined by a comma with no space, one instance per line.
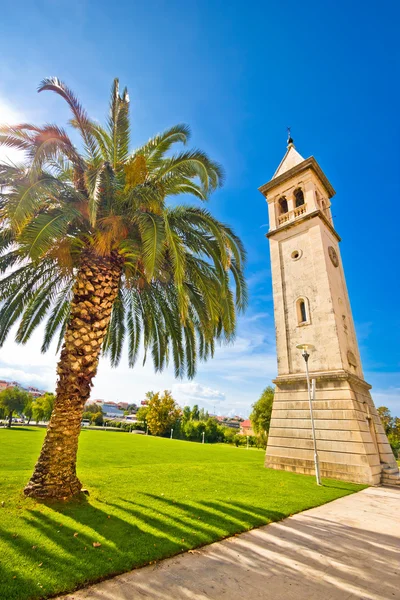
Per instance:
(97,419)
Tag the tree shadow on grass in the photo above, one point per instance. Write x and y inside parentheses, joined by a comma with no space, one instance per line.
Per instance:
(55,560)
(230,517)
(308,556)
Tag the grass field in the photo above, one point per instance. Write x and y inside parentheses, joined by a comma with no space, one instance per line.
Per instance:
(149,498)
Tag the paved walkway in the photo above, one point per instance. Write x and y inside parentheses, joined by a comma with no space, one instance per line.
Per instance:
(346,550)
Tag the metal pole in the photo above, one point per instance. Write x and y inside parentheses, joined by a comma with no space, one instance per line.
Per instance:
(172,431)
(203,434)
(311,396)
(316,458)
(247,441)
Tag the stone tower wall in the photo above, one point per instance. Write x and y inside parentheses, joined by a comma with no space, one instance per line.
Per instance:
(306,265)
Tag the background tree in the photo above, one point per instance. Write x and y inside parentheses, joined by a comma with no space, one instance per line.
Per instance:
(13,400)
(386,418)
(203,415)
(28,409)
(141,415)
(191,430)
(43,407)
(195,413)
(261,414)
(162,413)
(212,431)
(38,412)
(391,426)
(97,419)
(229,435)
(394,437)
(94,248)
(186,414)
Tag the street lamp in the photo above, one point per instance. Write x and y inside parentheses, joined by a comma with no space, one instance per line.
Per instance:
(311,395)
(172,431)
(203,434)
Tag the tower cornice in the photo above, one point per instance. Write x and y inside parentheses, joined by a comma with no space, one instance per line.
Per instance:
(308,163)
(328,376)
(306,217)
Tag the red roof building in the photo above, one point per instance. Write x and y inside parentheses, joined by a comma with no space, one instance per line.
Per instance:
(246,428)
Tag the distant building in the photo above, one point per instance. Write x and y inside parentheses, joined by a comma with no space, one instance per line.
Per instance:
(131,419)
(232,424)
(246,428)
(33,391)
(110,409)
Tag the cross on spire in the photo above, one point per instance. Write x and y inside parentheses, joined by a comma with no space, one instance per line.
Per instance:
(290,139)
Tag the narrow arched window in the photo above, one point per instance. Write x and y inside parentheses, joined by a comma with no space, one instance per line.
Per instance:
(299,197)
(303,312)
(283,205)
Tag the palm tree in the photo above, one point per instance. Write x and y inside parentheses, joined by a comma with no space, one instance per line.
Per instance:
(89,243)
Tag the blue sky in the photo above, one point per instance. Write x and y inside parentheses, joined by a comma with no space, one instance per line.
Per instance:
(238,73)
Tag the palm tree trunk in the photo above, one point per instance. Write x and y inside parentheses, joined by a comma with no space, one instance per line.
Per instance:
(95,291)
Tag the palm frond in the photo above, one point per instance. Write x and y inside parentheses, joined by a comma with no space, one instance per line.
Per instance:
(42,232)
(152,231)
(58,317)
(133,326)
(25,200)
(156,148)
(55,85)
(113,342)
(193,163)
(118,126)
(176,251)
(35,311)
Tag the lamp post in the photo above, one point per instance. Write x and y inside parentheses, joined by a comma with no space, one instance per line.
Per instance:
(172,431)
(203,434)
(311,396)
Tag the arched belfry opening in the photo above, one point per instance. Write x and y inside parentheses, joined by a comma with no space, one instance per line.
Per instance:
(283,205)
(298,197)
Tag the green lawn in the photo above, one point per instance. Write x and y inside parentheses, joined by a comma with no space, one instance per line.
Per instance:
(149,498)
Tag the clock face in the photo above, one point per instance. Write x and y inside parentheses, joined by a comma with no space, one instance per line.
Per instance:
(333,256)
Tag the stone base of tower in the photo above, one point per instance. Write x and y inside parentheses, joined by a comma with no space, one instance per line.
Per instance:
(351,441)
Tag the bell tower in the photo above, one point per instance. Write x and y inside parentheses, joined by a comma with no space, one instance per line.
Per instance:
(311,306)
